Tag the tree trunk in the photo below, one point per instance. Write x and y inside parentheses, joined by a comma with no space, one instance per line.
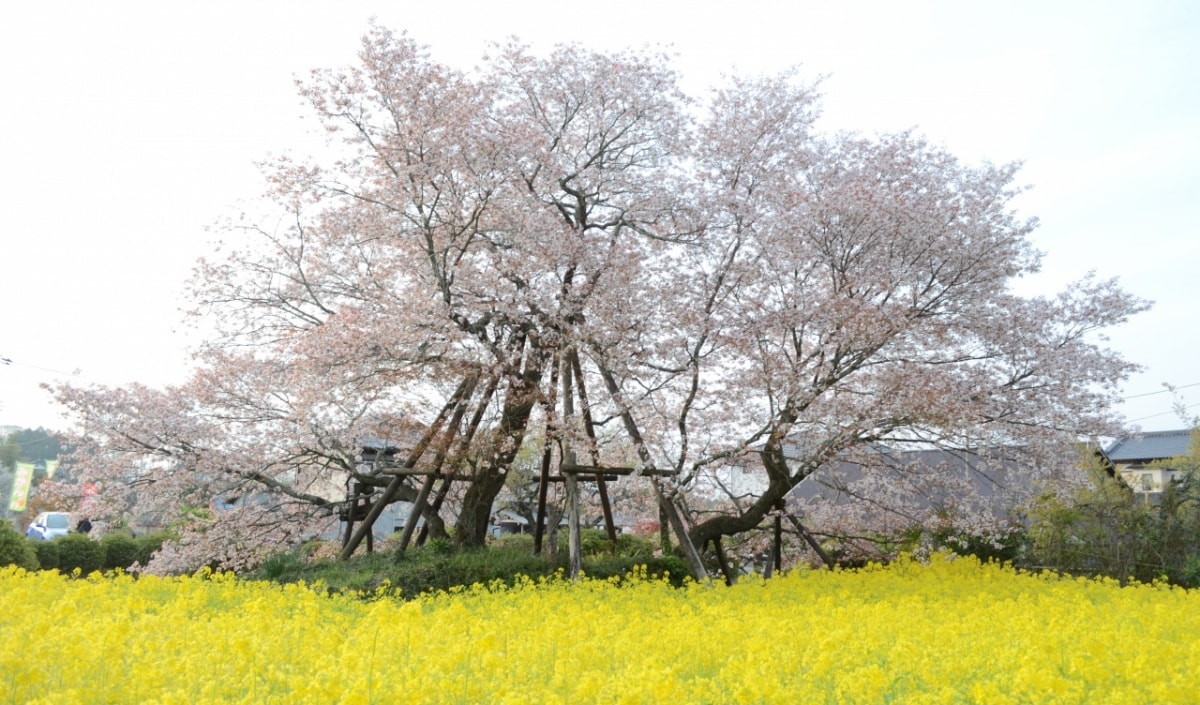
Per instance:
(522,394)
(471,529)
(780,482)
(731,525)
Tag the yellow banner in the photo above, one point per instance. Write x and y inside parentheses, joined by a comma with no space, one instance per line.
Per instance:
(22,481)
(51,468)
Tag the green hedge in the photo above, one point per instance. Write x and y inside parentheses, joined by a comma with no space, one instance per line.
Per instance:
(149,544)
(117,551)
(78,552)
(47,554)
(15,549)
(120,551)
(438,566)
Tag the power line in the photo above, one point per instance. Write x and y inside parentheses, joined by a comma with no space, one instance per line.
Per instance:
(1164,413)
(8,361)
(1171,389)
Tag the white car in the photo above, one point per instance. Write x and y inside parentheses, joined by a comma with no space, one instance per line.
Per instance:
(47,525)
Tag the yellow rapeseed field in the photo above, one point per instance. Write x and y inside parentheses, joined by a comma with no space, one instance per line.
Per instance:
(947,632)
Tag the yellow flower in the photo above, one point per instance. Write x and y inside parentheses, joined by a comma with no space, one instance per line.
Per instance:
(946,632)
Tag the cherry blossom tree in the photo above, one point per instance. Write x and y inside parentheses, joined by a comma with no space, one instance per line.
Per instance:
(567,247)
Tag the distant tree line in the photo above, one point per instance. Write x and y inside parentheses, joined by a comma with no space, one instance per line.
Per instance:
(26,445)
(29,445)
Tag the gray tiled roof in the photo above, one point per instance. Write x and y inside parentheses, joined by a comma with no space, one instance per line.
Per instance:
(377,444)
(987,469)
(1155,445)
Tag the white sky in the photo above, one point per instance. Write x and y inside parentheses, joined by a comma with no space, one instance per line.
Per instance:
(126,128)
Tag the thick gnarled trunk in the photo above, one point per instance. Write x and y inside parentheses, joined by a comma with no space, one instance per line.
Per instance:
(522,395)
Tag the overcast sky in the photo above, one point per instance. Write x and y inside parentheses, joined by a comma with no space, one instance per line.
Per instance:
(127,128)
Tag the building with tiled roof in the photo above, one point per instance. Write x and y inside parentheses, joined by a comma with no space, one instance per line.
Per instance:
(1139,459)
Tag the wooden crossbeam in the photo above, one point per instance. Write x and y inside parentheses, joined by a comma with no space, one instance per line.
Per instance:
(585,478)
(605,470)
(418,472)
(610,474)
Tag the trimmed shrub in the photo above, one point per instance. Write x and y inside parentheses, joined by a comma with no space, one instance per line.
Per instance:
(78,552)
(149,544)
(15,549)
(47,553)
(120,551)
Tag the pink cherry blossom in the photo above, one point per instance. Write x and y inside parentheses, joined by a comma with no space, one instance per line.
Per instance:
(730,280)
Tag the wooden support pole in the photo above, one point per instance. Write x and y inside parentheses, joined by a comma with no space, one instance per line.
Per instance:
(349,530)
(777,544)
(434,507)
(575,549)
(723,562)
(393,486)
(681,533)
(539,526)
(664,529)
(606,508)
(460,451)
(376,509)
(673,517)
(590,428)
(410,522)
(349,514)
(812,542)
(423,472)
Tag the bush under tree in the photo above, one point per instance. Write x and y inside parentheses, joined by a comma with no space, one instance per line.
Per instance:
(1108,529)
(78,552)
(120,551)
(15,548)
(47,553)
